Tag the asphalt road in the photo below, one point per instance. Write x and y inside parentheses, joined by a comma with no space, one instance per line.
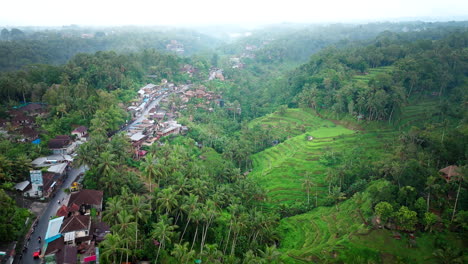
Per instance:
(51,209)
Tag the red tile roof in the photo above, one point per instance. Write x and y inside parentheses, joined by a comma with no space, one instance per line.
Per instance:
(62,211)
(73,207)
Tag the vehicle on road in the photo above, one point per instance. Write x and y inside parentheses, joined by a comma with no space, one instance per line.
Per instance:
(37,253)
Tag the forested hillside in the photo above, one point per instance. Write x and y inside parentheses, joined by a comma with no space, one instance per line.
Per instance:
(58,46)
(306,144)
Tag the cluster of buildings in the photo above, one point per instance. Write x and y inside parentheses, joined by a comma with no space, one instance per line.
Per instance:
(74,234)
(216,73)
(20,126)
(50,171)
(176,47)
(153,121)
(236,63)
(208,98)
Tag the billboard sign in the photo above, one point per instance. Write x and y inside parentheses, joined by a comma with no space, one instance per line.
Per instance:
(36,177)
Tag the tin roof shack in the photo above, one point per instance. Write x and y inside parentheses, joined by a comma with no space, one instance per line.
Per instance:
(51,160)
(137,139)
(169,127)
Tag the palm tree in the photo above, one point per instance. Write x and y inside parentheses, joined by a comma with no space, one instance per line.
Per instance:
(181,252)
(113,208)
(107,164)
(212,255)
(189,206)
(251,258)
(238,226)
(163,231)
(271,254)
(448,256)
(111,247)
(197,217)
(307,184)
(167,200)
(125,227)
(461,178)
(211,211)
(149,169)
(430,186)
(336,195)
(140,210)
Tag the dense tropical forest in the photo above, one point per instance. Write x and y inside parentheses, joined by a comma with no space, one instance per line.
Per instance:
(328,144)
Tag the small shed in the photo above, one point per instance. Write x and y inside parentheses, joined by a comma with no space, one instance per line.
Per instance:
(21,186)
(449,172)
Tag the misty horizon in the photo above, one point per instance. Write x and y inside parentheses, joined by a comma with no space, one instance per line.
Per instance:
(53,13)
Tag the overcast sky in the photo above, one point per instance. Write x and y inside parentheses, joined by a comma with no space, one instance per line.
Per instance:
(199,12)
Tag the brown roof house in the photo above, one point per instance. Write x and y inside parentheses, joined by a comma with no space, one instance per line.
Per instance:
(58,252)
(76,229)
(62,144)
(80,132)
(449,172)
(87,199)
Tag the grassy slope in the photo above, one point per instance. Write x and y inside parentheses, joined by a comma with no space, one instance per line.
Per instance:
(326,232)
(340,236)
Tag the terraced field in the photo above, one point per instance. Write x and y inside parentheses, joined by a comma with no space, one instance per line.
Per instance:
(326,232)
(328,235)
(416,114)
(372,73)
(292,123)
(282,168)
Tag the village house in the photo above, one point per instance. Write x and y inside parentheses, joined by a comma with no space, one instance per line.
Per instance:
(448,173)
(76,229)
(51,160)
(62,144)
(169,127)
(19,118)
(51,182)
(34,109)
(80,132)
(147,90)
(216,74)
(86,200)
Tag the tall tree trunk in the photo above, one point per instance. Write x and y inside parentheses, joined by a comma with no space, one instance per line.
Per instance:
(157,255)
(136,237)
(316,196)
(183,233)
(428,199)
(194,237)
(126,259)
(234,239)
(456,201)
(227,239)
(391,113)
